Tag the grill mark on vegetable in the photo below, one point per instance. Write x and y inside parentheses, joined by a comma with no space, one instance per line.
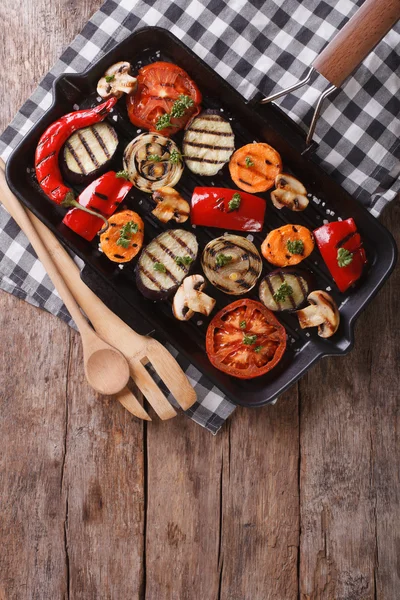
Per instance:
(102,142)
(272,292)
(243,283)
(167,271)
(55,189)
(243,181)
(88,150)
(182,243)
(302,286)
(170,253)
(282,278)
(44,178)
(206,160)
(167,98)
(44,159)
(345,239)
(208,132)
(150,276)
(76,158)
(212,118)
(118,256)
(209,146)
(101,196)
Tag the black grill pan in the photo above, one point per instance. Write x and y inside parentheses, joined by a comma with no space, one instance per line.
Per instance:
(250,121)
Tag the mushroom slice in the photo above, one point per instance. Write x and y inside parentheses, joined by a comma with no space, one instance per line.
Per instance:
(322,313)
(289,192)
(190,299)
(170,205)
(116,81)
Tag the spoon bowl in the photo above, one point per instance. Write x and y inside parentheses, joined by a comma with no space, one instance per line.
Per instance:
(106,369)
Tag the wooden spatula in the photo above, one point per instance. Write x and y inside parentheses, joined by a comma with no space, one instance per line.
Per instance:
(138,350)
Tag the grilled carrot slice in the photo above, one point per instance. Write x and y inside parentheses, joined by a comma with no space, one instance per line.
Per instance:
(288,245)
(254,167)
(124,237)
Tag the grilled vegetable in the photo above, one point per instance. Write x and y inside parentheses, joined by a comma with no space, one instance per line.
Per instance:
(254,167)
(284,289)
(290,192)
(48,149)
(208,143)
(159,271)
(245,339)
(170,205)
(232,264)
(228,209)
(100,199)
(147,161)
(88,153)
(287,245)
(322,313)
(190,299)
(341,247)
(124,237)
(165,100)
(116,81)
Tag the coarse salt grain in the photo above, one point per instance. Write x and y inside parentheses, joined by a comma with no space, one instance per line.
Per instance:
(250,237)
(99,98)
(76,106)
(115,117)
(325,221)
(328,289)
(120,267)
(199,323)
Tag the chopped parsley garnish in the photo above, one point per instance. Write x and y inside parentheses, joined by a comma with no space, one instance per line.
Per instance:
(258,349)
(154,157)
(344,257)
(249,340)
(180,106)
(163,122)
(234,203)
(249,162)
(222,259)
(295,246)
(242,324)
(283,292)
(159,267)
(126,233)
(109,78)
(122,175)
(185,261)
(175,157)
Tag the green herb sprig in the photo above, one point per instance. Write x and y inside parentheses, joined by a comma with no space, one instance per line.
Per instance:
(159,267)
(344,257)
(109,78)
(154,157)
(242,324)
(295,246)
(178,109)
(183,261)
(122,175)
(234,203)
(222,259)
(258,349)
(283,292)
(126,233)
(249,162)
(249,340)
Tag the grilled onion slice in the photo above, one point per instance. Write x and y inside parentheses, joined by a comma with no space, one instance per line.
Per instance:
(232,264)
(147,161)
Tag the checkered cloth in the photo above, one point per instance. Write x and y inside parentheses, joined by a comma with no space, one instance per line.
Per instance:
(256,45)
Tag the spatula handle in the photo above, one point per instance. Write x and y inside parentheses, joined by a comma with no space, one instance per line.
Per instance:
(356,39)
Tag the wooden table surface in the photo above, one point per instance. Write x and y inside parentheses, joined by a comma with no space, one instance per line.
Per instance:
(298,500)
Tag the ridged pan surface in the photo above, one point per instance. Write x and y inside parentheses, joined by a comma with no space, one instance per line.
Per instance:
(328,202)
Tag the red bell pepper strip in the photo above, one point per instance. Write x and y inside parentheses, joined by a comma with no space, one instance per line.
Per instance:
(83,223)
(341,247)
(227,209)
(49,146)
(102,197)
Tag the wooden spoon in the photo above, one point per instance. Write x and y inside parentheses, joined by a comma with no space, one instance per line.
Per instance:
(106,369)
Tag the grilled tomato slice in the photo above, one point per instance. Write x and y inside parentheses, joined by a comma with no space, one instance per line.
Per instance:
(160,85)
(245,340)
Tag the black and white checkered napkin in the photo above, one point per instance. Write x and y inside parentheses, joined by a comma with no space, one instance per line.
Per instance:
(256,45)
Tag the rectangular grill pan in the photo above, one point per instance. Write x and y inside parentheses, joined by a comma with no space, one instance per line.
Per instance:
(250,121)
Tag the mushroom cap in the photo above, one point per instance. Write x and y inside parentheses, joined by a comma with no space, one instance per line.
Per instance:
(170,205)
(322,313)
(122,81)
(189,299)
(289,192)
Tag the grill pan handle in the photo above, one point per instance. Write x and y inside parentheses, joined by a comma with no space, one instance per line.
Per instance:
(356,39)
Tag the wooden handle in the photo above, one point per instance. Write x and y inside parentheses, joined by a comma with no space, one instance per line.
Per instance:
(19,214)
(356,39)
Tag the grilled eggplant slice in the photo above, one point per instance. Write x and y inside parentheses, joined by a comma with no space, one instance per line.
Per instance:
(232,264)
(88,153)
(285,289)
(153,161)
(165,262)
(208,143)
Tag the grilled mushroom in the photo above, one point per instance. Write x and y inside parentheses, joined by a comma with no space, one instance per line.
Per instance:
(322,313)
(170,205)
(289,192)
(190,299)
(116,81)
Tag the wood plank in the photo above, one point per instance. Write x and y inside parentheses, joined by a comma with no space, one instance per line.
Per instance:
(104,487)
(184,469)
(34,355)
(349,462)
(260,504)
